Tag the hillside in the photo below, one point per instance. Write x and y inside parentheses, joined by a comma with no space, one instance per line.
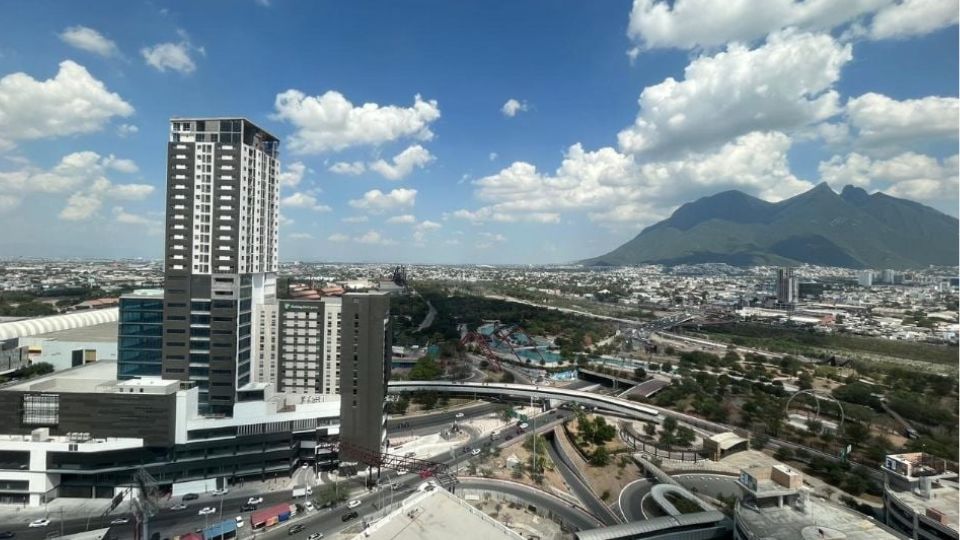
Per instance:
(852,229)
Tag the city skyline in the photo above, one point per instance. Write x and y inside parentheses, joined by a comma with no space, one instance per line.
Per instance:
(465,136)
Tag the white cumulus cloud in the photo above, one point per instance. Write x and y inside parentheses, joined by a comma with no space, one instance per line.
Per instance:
(172,56)
(403,218)
(377,201)
(330,122)
(913,18)
(882,122)
(89,40)
(784,84)
(403,164)
(71,103)
(293,174)
(351,168)
(304,200)
(512,107)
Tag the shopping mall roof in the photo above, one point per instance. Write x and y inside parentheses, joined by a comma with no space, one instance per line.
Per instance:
(437,515)
(55,323)
(104,332)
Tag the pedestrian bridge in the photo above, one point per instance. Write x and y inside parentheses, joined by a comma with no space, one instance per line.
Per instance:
(477,389)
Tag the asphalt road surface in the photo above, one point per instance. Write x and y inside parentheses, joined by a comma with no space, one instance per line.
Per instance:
(572,515)
(579,487)
(631,496)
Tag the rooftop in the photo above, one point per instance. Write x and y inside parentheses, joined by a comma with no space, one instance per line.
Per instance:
(436,515)
(819,521)
(944,497)
(98,332)
(93,377)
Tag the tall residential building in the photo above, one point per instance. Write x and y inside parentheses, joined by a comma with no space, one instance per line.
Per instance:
(221,252)
(140,335)
(365,348)
(787,286)
(865,279)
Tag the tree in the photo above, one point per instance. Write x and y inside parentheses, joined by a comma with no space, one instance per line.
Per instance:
(639,374)
(426,369)
(600,457)
(669,423)
(649,428)
(507,377)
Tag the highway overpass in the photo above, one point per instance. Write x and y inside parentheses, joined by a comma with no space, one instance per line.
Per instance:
(588,399)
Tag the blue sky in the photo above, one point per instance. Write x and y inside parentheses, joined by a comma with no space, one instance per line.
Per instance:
(544,131)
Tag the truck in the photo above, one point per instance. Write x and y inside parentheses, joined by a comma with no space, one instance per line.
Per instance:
(300,492)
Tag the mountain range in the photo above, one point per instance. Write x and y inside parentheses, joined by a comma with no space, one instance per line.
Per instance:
(850,229)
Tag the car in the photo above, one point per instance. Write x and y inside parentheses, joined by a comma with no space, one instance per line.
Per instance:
(508,437)
(207,510)
(429,485)
(248,508)
(120,521)
(180,506)
(350,515)
(475,451)
(43,522)
(255,500)
(315,536)
(294,529)
(304,465)
(354,503)
(309,506)
(458,415)
(410,454)
(401,470)
(309,490)
(9,534)
(239,520)
(190,497)
(220,492)
(524,425)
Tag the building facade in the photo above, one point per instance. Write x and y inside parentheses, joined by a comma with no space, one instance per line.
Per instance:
(82,433)
(265,344)
(365,351)
(787,286)
(140,335)
(221,252)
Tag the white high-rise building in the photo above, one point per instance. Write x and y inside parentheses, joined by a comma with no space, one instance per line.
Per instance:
(264,343)
(221,252)
(865,279)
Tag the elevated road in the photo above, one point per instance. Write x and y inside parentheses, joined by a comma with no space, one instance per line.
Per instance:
(613,404)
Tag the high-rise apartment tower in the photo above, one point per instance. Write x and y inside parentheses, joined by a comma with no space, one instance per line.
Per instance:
(221,251)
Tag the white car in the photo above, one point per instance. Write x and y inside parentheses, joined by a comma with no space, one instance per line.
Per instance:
(309,506)
(180,506)
(429,485)
(220,492)
(475,451)
(207,510)
(255,500)
(120,521)
(239,522)
(304,465)
(524,425)
(39,523)
(401,470)
(458,415)
(315,536)
(354,503)
(309,490)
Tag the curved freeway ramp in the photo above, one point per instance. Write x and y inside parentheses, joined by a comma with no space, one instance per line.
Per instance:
(576,518)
